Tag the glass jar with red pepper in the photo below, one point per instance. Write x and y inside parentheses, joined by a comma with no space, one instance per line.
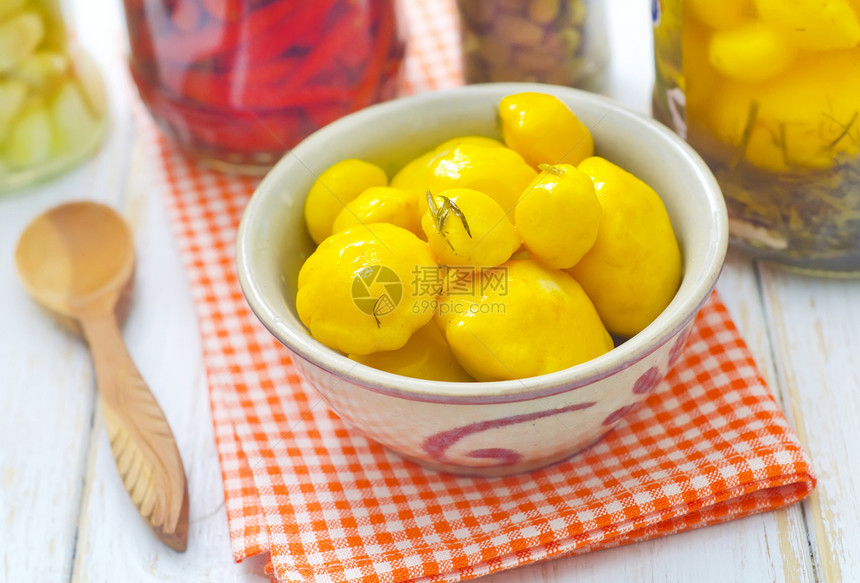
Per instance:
(236,83)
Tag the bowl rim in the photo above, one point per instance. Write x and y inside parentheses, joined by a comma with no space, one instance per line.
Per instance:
(672,320)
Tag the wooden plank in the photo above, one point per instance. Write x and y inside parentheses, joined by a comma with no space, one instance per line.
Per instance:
(47,389)
(815,325)
(47,397)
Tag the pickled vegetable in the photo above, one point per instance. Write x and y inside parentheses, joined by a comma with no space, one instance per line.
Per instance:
(381,204)
(236,84)
(540,322)
(549,41)
(354,293)
(633,270)
(467,227)
(334,189)
(426,356)
(558,216)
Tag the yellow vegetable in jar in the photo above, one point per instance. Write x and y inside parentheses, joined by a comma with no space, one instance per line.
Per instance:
(814,25)
(543,130)
(467,227)
(30,137)
(719,15)
(700,76)
(425,356)
(13,96)
(381,204)
(71,117)
(20,35)
(520,320)
(336,187)
(356,292)
(558,216)
(634,268)
(415,174)
(805,118)
(498,172)
(753,51)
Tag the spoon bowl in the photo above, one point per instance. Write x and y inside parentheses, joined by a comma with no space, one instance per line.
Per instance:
(75,254)
(77,260)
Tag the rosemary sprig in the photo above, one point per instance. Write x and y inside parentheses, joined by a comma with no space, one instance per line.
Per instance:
(845,130)
(376,309)
(440,214)
(456,210)
(752,115)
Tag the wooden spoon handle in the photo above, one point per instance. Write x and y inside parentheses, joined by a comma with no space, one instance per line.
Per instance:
(143,445)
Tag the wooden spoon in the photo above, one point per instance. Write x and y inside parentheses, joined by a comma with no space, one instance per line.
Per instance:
(77,260)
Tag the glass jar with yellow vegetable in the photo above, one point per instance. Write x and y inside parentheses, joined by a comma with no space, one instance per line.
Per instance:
(52,102)
(769,93)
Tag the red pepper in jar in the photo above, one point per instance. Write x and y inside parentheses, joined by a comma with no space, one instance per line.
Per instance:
(245,79)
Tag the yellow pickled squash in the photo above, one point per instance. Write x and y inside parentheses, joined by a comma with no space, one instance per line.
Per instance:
(558,215)
(356,293)
(543,130)
(415,174)
(520,320)
(805,118)
(336,187)
(753,51)
(498,172)
(467,227)
(719,15)
(634,268)
(381,204)
(425,356)
(814,25)
(474,140)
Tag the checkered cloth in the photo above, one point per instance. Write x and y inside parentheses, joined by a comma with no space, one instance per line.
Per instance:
(329,505)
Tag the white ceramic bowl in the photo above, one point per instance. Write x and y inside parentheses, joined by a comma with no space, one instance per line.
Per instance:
(486,428)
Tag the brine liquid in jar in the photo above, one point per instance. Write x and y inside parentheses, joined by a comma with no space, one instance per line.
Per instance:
(769,93)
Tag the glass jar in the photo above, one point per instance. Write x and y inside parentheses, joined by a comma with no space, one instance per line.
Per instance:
(562,42)
(768,92)
(236,83)
(52,102)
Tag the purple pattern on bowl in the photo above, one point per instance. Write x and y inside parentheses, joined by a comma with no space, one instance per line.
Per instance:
(648,381)
(436,445)
(506,457)
(678,347)
(618,414)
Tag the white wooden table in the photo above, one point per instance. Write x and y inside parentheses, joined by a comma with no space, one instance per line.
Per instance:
(65,516)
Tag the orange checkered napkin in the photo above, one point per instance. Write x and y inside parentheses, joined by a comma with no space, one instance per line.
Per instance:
(329,505)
